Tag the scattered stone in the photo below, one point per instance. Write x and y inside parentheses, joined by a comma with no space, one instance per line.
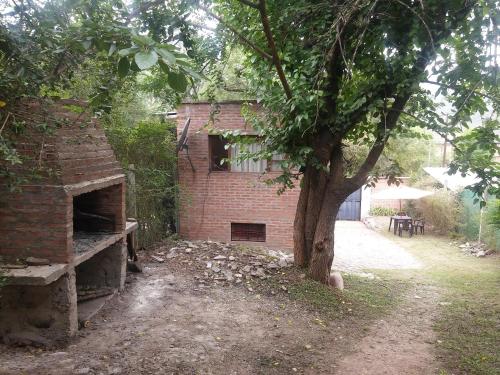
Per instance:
(272,266)
(157,259)
(83,371)
(32,261)
(134,266)
(336,280)
(58,354)
(308,346)
(171,255)
(13,266)
(246,269)
(209,264)
(475,248)
(238,275)
(228,275)
(216,269)
(188,250)
(231,258)
(282,262)
(260,272)
(26,339)
(220,257)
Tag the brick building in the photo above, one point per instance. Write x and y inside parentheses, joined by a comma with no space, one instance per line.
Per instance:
(231,202)
(228,202)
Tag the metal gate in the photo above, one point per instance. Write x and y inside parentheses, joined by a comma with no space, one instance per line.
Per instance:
(351,208)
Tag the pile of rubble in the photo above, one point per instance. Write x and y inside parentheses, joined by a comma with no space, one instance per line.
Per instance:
(475,248)
(218,262)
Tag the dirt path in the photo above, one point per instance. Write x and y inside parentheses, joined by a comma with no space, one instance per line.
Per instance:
(173,319)
(401,343)
(162,324)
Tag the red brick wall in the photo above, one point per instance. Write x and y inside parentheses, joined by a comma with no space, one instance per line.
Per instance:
(210,201)
(70,159)
(73,149)
(37,221)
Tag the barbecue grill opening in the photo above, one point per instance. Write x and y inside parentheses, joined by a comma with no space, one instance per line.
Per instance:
(96,211)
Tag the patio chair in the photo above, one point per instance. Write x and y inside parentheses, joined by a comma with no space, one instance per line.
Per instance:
(406,225)
(419,224)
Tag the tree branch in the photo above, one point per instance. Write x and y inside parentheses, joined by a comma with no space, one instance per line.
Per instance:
(245,40)
(385,125)
(250,3)
(270,41)
(455,88)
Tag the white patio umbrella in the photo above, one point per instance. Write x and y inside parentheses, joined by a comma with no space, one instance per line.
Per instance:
(401,192)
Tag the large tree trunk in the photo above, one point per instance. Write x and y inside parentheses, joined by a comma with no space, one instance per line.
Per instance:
(316,214)
(320,199)
(323,244)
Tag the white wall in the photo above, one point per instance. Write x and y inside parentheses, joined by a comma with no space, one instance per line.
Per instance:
(365,201)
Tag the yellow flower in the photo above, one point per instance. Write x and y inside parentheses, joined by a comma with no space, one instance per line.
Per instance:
(2,104)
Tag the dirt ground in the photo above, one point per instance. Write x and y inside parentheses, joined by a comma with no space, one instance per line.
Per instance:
(180,317)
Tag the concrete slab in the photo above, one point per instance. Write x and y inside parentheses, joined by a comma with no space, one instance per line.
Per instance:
(358,248)
(35,275)
(88,309)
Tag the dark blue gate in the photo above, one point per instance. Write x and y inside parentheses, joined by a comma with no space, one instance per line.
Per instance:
(351,208)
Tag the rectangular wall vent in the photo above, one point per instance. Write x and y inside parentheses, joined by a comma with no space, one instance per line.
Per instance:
(248,232)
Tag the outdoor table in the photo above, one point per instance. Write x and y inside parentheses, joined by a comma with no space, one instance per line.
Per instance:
(397,219)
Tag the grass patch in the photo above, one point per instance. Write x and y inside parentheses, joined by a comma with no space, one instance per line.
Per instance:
(363,298)
(469,333)
(468,325)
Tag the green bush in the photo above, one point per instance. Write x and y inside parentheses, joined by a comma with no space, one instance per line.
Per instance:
(490,220)
(382,211)
(491,224)
(441,210)
(150,147)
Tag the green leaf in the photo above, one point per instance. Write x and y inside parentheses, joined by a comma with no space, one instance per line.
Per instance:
(146,60)
(163,66)
(123,67)
(192,73)
(134,67)
(167,55)
(182,62)
(86,44)
(127,51)
(177,81)
(143,40)
(112,49)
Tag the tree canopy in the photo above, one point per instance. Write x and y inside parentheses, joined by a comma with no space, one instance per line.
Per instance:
(363,71)
(42,44)
(335,73)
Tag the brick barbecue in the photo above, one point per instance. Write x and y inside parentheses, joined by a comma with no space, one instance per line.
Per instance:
(64,227)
